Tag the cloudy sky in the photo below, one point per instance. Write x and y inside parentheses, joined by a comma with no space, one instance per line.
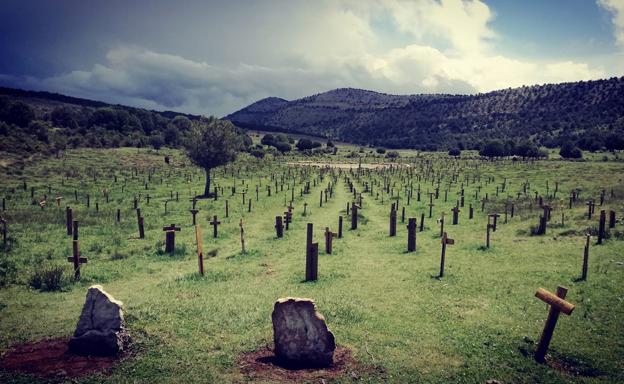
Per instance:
(215,57)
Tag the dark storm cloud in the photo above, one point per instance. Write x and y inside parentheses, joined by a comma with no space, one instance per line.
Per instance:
(213,57)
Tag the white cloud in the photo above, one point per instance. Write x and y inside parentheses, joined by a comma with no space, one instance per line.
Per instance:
(318,48)
(616,7)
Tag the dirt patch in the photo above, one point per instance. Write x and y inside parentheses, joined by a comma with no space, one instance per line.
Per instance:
(51,358)
(261,365)
(571,366)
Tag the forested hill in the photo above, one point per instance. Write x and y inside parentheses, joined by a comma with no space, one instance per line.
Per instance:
(585,112)
(33,121)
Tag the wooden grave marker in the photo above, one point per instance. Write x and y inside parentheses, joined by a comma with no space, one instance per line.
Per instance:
(170,237)
(557,305)
(75,258)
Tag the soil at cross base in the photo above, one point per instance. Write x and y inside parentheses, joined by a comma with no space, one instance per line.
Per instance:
(51,358)
(261,365)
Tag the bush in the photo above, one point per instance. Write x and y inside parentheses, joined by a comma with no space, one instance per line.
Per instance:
(454,152)
(381,150)
(48,279)
(570,151)
(493,148)
(392,155)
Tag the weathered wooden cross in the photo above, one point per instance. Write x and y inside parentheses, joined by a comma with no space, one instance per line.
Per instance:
(170,237)
(215,223)
(445,241)
(393,221)
(311,271)
(354,216)
(76,259)
(557,305)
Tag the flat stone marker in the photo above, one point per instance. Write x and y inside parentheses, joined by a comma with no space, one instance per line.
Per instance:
(301,336)
(100,329)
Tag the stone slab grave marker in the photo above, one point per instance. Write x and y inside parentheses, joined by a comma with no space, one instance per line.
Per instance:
(170,237)
(557,305)
(301,336)
(411,234)
(329,236)
(200,249)
(75,258)
(445,241)
(215,224)
(100,330)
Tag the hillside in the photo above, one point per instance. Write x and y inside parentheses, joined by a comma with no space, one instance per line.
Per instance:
(584,112)
(33,121)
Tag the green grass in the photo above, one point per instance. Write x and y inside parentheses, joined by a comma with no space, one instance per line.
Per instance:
(476,323)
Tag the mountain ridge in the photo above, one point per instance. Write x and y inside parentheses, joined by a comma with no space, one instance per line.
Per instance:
(546,114)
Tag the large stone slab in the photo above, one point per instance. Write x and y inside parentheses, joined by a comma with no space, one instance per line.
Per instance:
(300,334)
(100,329)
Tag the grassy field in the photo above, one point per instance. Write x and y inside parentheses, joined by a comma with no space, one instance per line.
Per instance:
(478,322)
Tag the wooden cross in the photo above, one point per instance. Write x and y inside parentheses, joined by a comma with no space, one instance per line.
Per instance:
(557,305)
(494,216)
(329,235)
(445,241)
(441,221)
(288,217)
(76,259)
(170,237)
(214,224)
(194,213)
(200,249)
(58,201)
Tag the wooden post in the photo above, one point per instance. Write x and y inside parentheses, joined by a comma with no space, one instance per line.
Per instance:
(141,227)
(411,234)
(69,218)
(170,237)
(585,258)
(200,249)
(487,236)
(354,217)
(329,235)
(470,212)
(602,224)
(422,222)
(445,241)
(441,221)
(311,255)
(557,305)
(393,221)
(455,215)
(340,227)
(4,231)
(612,219)
(76,259)
(242,236)
(279,227)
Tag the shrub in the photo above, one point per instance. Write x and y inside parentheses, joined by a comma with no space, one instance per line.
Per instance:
(48,279)
(570,151)
(381,150)
(454,152)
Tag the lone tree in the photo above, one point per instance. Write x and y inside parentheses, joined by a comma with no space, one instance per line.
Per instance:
(211,143)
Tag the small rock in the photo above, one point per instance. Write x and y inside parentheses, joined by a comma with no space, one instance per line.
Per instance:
(100,329)
(492,381)
(300,334)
